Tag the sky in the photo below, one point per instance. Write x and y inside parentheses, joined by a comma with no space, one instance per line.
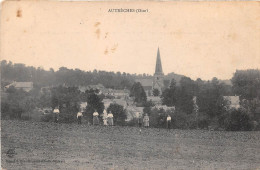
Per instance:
(196,39)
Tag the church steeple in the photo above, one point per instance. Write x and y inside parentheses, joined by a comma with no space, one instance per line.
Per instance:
(158,67)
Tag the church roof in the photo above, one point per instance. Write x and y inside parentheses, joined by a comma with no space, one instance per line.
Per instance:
(145,82)
(158,67)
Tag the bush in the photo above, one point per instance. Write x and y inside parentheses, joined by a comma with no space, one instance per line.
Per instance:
(118,112)
(25,116)
(67,117)
(132,122)
(47,118)
(238,120)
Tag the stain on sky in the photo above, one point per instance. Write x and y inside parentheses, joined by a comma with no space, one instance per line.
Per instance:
(113,49)
(98,33)
(19,13)
(97,29)
(106,52)
(97,24)
(106,35)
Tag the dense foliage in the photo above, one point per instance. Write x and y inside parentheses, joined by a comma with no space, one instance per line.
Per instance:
(16,103)
(119,113)
(67,100)
(138,93)
(246,83)
(64,76)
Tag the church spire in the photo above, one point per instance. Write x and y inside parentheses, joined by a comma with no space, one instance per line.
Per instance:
(158,67)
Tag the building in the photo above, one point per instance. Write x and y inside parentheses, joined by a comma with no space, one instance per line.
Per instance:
(26,86)
(233,101)
(99,87)
(158,74)
(158,80)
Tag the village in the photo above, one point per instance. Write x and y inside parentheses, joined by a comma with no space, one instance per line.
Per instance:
(134,110)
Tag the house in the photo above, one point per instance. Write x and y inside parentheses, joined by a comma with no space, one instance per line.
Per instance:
(26,86)
(99,87)
(164,107)
(155,99)
(147,85)
(83,106)
(121,102)
(233,101)
(133,112)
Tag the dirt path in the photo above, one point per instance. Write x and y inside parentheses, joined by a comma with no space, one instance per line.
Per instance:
(57,146)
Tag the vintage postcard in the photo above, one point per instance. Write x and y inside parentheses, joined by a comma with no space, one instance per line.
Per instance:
(130,84)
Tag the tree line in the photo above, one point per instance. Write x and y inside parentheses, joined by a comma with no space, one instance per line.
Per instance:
(70,77)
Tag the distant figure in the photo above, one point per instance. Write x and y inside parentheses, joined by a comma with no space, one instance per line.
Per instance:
(146,120)
(56,112)
(105,117)
(95,118)
(79,116)
(139,119)
(110,120)
(168,122)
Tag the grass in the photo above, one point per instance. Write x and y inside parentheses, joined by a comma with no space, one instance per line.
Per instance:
(40,145)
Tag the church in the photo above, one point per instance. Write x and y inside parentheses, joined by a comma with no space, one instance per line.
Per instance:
(158,80)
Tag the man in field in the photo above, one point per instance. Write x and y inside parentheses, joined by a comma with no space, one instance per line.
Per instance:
(168,122)
(79,116)
(56,112)
(139,119)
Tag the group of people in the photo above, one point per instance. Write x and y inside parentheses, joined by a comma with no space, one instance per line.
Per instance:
(145,120)
(108,119)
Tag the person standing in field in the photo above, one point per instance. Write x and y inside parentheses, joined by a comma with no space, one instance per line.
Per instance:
(79,117)
(110,120)
(95,118)
(146,120)
(56,112)
(105,117)
(168,121)
(140,120)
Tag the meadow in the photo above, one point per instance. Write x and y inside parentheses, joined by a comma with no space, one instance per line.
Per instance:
(40,145)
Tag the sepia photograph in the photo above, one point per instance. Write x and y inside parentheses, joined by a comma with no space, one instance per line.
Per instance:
(130,84)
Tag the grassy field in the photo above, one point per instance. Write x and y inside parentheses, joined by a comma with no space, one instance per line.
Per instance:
(41,145)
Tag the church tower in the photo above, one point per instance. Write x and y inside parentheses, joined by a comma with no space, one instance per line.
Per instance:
(158,75)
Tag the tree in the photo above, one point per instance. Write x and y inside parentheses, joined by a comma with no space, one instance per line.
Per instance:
(17,103)
(246,83)
(185,93)
(169,94)
(67,99)
(156,92)
(94,103)
(147,110)
(236,120)
(138,93)
(209,98)
(119,113)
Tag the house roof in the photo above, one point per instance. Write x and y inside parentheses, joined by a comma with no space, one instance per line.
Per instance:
(147,88)
(21,85)
(145,82)
(154,98)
